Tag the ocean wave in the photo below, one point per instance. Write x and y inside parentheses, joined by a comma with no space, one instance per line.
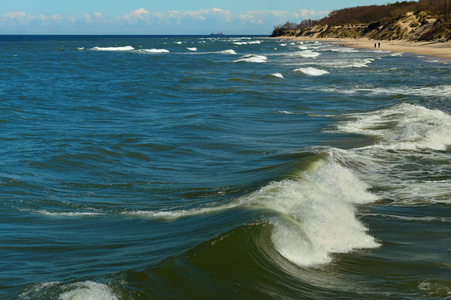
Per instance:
(181,213)
(306,54)
(278,75)
(153,51)
(124,48)
(403,127)
(312,71)
(316,213)
(67,214)
(247,43)
(228,51)
(192,48)
(253,58)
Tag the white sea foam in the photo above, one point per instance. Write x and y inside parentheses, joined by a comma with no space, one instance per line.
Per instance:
(252,58)
(278,75)
(285,112)
(192,48)
(67,214)
(35,290)
(181,213)
(153,51)
(247,43)
(436,91)
(360,63)
(404,126)
(80,48)
(228,51)
(125,48)
(316,213)
(306,54)
(436,288)
(88,290)
(312,71)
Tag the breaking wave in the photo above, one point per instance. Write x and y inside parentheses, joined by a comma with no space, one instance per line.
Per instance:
(125,48)
(312,71)
(253,58)
(404,126)
(153,51)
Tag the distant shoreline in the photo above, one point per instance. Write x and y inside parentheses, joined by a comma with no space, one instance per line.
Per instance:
(436,49)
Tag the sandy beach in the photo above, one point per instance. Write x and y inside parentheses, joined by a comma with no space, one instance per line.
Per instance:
(436,49)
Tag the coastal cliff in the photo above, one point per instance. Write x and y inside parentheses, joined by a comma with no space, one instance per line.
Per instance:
(411,26)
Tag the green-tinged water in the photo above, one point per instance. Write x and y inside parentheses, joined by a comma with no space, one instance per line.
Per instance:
(188,167)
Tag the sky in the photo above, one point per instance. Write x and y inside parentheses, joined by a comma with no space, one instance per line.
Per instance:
(161,17)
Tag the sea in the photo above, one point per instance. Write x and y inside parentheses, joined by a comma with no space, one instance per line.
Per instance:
(225,167)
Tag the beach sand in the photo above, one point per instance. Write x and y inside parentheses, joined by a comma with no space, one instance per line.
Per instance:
(436,49)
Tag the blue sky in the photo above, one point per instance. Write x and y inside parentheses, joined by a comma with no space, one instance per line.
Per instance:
(160,17)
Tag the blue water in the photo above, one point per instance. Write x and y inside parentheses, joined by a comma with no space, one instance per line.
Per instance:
(190,167)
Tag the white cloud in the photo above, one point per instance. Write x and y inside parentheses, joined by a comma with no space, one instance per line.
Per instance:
(17,18)
(171,22)
(134,16)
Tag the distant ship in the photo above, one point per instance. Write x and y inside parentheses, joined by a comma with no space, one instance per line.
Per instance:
(217,34)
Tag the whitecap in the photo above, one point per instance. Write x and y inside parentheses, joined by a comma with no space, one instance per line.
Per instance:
(253,58)
(67,214)
(278,75)
(312,71)
(192,48)
(306,54)
(124,48)
(228,51)
(153,51)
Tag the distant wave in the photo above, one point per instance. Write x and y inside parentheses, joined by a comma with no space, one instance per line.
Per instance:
(253,58)
(125,48)
(306,54)
(312,71)
(228,51)
(153,51)
(192,48)
(247,43)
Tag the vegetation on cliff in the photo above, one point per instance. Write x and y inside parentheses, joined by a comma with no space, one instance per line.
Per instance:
(425,20)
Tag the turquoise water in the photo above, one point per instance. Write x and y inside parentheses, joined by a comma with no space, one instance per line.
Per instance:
(189,167)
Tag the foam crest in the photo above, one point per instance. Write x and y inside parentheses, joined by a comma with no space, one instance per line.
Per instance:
(88,290)
(316,213)
(403,127)
(175,214)
(153,51)
(192,48)
(252,58)
(247,43)
(278,75)
(307,54)
(228,51)
(67,214)
(125,48)
(312,71)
